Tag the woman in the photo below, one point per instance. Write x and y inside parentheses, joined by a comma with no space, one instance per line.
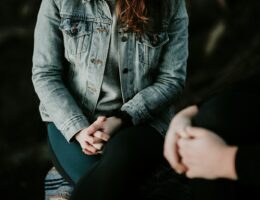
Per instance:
(109,68)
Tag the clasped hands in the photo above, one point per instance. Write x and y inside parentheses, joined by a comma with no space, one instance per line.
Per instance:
(198,152)
(93,138)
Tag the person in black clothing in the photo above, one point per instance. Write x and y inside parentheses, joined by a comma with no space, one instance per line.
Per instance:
(217,143)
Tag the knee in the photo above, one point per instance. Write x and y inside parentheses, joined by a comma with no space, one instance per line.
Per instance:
(124,143)
(134,145)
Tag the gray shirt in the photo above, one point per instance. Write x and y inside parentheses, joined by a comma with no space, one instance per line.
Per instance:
(110,98)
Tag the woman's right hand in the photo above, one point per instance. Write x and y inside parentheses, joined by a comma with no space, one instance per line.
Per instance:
(88,141)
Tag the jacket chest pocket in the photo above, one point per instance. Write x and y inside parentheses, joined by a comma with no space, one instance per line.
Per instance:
(150,46)
(76,35)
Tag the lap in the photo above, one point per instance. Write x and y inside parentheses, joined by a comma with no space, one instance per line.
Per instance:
(129,145)
(68,158)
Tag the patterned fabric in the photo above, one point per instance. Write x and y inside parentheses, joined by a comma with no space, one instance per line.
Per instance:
(56,187)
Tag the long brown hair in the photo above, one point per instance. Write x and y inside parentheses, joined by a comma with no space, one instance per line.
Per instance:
(132,14)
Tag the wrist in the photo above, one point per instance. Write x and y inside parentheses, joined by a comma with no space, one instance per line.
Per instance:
(229,170)
(117,120)
(77,135)
(126,119)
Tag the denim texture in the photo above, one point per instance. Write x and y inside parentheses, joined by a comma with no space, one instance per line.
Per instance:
(70,53)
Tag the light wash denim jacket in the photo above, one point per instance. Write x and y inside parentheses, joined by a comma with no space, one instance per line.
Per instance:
(70,51)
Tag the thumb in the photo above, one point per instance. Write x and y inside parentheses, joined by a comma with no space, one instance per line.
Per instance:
(190,111)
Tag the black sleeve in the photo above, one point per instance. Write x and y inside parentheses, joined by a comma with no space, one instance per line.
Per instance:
(234,115)
(248,164)
(124,116)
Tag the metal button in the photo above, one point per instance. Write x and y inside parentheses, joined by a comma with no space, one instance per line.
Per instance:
(155,39)
(124,39)
(74,29)
(125,70)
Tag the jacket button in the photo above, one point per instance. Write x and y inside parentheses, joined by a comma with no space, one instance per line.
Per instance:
(74,29)
(124,39)
(125,70)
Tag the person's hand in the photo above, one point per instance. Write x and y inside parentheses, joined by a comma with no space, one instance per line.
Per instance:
(89,143)
(110,126)
(206,155)
(179,122)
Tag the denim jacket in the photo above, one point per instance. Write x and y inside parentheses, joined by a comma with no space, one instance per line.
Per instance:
(70,50)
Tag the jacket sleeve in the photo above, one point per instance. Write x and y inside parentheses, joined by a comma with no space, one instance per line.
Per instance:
(47,73)
(171,76)
(248,164)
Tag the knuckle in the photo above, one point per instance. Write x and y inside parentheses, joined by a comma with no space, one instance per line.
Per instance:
(104,137)
(99,133)
(90,140)
(88,131)
(189,174)
(185,160)
(94,125)
(174,165)
(96,134)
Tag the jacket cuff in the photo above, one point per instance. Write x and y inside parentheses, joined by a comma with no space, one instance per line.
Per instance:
(247,164)
(75,125)
(124,116)
(138,112)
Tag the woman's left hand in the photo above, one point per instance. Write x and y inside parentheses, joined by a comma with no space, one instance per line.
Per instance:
(109,126)
(206,155)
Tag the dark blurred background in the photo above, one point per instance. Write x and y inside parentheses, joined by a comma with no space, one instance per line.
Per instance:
(224,48)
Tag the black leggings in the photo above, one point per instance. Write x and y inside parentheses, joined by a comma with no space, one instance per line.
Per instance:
(128,159)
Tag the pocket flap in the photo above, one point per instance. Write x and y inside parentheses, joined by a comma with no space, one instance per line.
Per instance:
(155,40)
(75,28)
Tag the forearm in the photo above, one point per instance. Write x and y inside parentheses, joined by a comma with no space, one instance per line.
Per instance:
(152,100)
(58,102)
(228,163)
(171,74)
(48,69)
